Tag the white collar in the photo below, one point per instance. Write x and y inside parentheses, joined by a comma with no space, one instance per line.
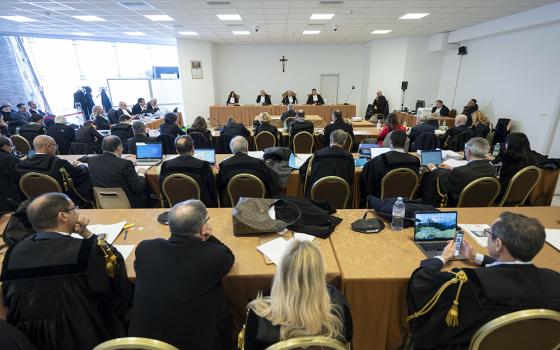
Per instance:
(400,150)
(516,262)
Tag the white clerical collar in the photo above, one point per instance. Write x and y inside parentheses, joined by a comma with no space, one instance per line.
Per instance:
(401,150)
(516,262)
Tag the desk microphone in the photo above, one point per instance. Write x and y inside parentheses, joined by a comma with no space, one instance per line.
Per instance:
(349,93)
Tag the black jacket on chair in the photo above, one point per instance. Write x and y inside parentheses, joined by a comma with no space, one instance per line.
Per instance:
(194,314)
(107,171)
(9,186)
(319,100)
(267,127)
(454,131)
(171,129)
(481,130)
(124,132)
(297,127)
(419,129)
(426,141)
(236,129)
(131,142)
(338,124)
(199,170)
(266,100)
(31,131)
(90,136)
(203,137)
(102,123)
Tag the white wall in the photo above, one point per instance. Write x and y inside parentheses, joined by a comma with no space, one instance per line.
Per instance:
(513,75)
(247,69)
(198,94)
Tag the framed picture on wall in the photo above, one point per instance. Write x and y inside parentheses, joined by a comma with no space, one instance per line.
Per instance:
(196,70)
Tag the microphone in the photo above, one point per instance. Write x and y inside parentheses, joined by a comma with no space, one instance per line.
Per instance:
(349,93)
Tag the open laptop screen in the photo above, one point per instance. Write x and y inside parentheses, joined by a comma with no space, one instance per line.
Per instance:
(434,157)
(208,155)
(435,226)
(149,151)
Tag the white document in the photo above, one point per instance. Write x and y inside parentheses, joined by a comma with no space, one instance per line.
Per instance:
(125,249)
(300,158)
(454,163)
(451,154)
(274,249)
(553,237)
(256,154)
(476,231)
(378,151)
(111,231)
(303,236)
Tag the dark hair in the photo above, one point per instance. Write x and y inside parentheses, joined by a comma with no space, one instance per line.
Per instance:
(440,101)
(337,114)
(138,127)
(89,123)
(43,211)
(29,103)
(398,138)
(453,113)
(199,123)
(170,118)
(392,122)
(300,114)
(518,148)
(140,100)
(4,141)
(232,93)
(111,143)
(522,236)
(19,105)
(474,100)
(36,117)
(313,89)
(184,144)
(124,117)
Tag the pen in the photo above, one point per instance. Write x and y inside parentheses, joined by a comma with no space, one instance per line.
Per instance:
(125,234)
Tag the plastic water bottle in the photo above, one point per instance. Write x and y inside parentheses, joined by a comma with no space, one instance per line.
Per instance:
(398,215)
(378,124)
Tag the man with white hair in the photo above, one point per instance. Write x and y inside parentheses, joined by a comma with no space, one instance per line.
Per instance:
(421,127)
(152,106)
(242,163)
(459,128)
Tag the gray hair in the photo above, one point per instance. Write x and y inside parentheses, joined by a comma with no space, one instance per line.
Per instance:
(422,118)
(43,211)
(338,137)
(478,147)
(290,107)
(186,218)
(239,144)
(522,236)
(60,119)
(461,119)
(138,127)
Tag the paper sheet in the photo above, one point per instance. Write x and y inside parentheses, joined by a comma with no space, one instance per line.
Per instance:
(274,249)
(256,154)
(112,231)
(454,163)
(476,231)
(553,237)
(297,160)
(303,236)
(378,151)
(450,154)
(125,249)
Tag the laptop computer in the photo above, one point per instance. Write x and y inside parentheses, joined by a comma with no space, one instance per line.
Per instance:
(427,157)
(432,231)
(148,153)
(364,149)
(208,155)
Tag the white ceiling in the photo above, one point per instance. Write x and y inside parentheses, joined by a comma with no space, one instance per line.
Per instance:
(279,21)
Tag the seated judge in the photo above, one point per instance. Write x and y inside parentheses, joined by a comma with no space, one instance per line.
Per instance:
(233,99)
(264,125)
(375,169)
(89,135)
(300,304)
(34,128)
(290,98)
(46,162)
(110,170)
(199,170)
(140,136)
(421,127)
(380,104)
(139,107)
(65,296)
(235,129)
(62,133)
(440,109)
(495,285)
(123,109)
(169,126)
(314,98)
(469,109)
(100,119)
(300,125)
(290,112)
(391,124)
(152,106)
(10,195)
(194,312)
(263,98)
(453,180)
(460,128)
(242,163)
(337,123)
(480,124)
(328,161)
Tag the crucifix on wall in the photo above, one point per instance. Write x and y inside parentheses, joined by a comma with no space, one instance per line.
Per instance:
(283,60)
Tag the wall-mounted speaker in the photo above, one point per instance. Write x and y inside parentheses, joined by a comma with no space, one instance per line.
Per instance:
(404,85)
(462,50)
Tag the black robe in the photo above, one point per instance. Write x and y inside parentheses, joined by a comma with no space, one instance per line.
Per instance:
(489,293)
(12,339)
(9,183)
(328,161)
(62,298)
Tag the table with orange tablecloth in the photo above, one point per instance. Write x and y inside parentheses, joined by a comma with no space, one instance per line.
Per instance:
(375,271)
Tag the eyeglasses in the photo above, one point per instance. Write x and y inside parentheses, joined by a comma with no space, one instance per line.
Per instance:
(488,232)
(207,218)
(67,210)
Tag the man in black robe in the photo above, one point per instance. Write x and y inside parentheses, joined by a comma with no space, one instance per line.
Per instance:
(193,313)
(380,105)
(328,161)
(469,109)
(34,128)
(509,282)
(300,125)
(337,122)
(58,289)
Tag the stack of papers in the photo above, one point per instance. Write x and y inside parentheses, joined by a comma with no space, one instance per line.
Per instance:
(274,250)
(454,163)
(553,237)
(378,151)
(111,231)
(297,160)
(476,231)
(125,249)
(256,154)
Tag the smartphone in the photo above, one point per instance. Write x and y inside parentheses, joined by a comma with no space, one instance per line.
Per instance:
(458,243)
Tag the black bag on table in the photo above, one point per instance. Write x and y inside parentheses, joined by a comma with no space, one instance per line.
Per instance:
(18,227)
(384,208)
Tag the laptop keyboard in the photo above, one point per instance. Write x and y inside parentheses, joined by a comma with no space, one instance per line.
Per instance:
(433,246)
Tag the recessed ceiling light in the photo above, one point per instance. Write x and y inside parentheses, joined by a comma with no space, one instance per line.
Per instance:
(135,33)
(89,18)
(159,18)
(229,17)
(241,32)
(322,16)
(19,18)
(414,15)
(311,32)
(82,34)
(188,33)
(381,31)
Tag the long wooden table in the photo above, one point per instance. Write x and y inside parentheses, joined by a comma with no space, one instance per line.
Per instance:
(410,119)
(376,268)
(246,113)
(152,123)
(316,120)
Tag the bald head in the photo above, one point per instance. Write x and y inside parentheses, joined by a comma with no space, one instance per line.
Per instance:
(461,119)
(51,212)
(238,144)
(187,218)
(44,144)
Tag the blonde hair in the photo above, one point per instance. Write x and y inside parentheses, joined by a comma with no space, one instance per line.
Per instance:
(97,110)
(299,301)
(264,117)
(480,118)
